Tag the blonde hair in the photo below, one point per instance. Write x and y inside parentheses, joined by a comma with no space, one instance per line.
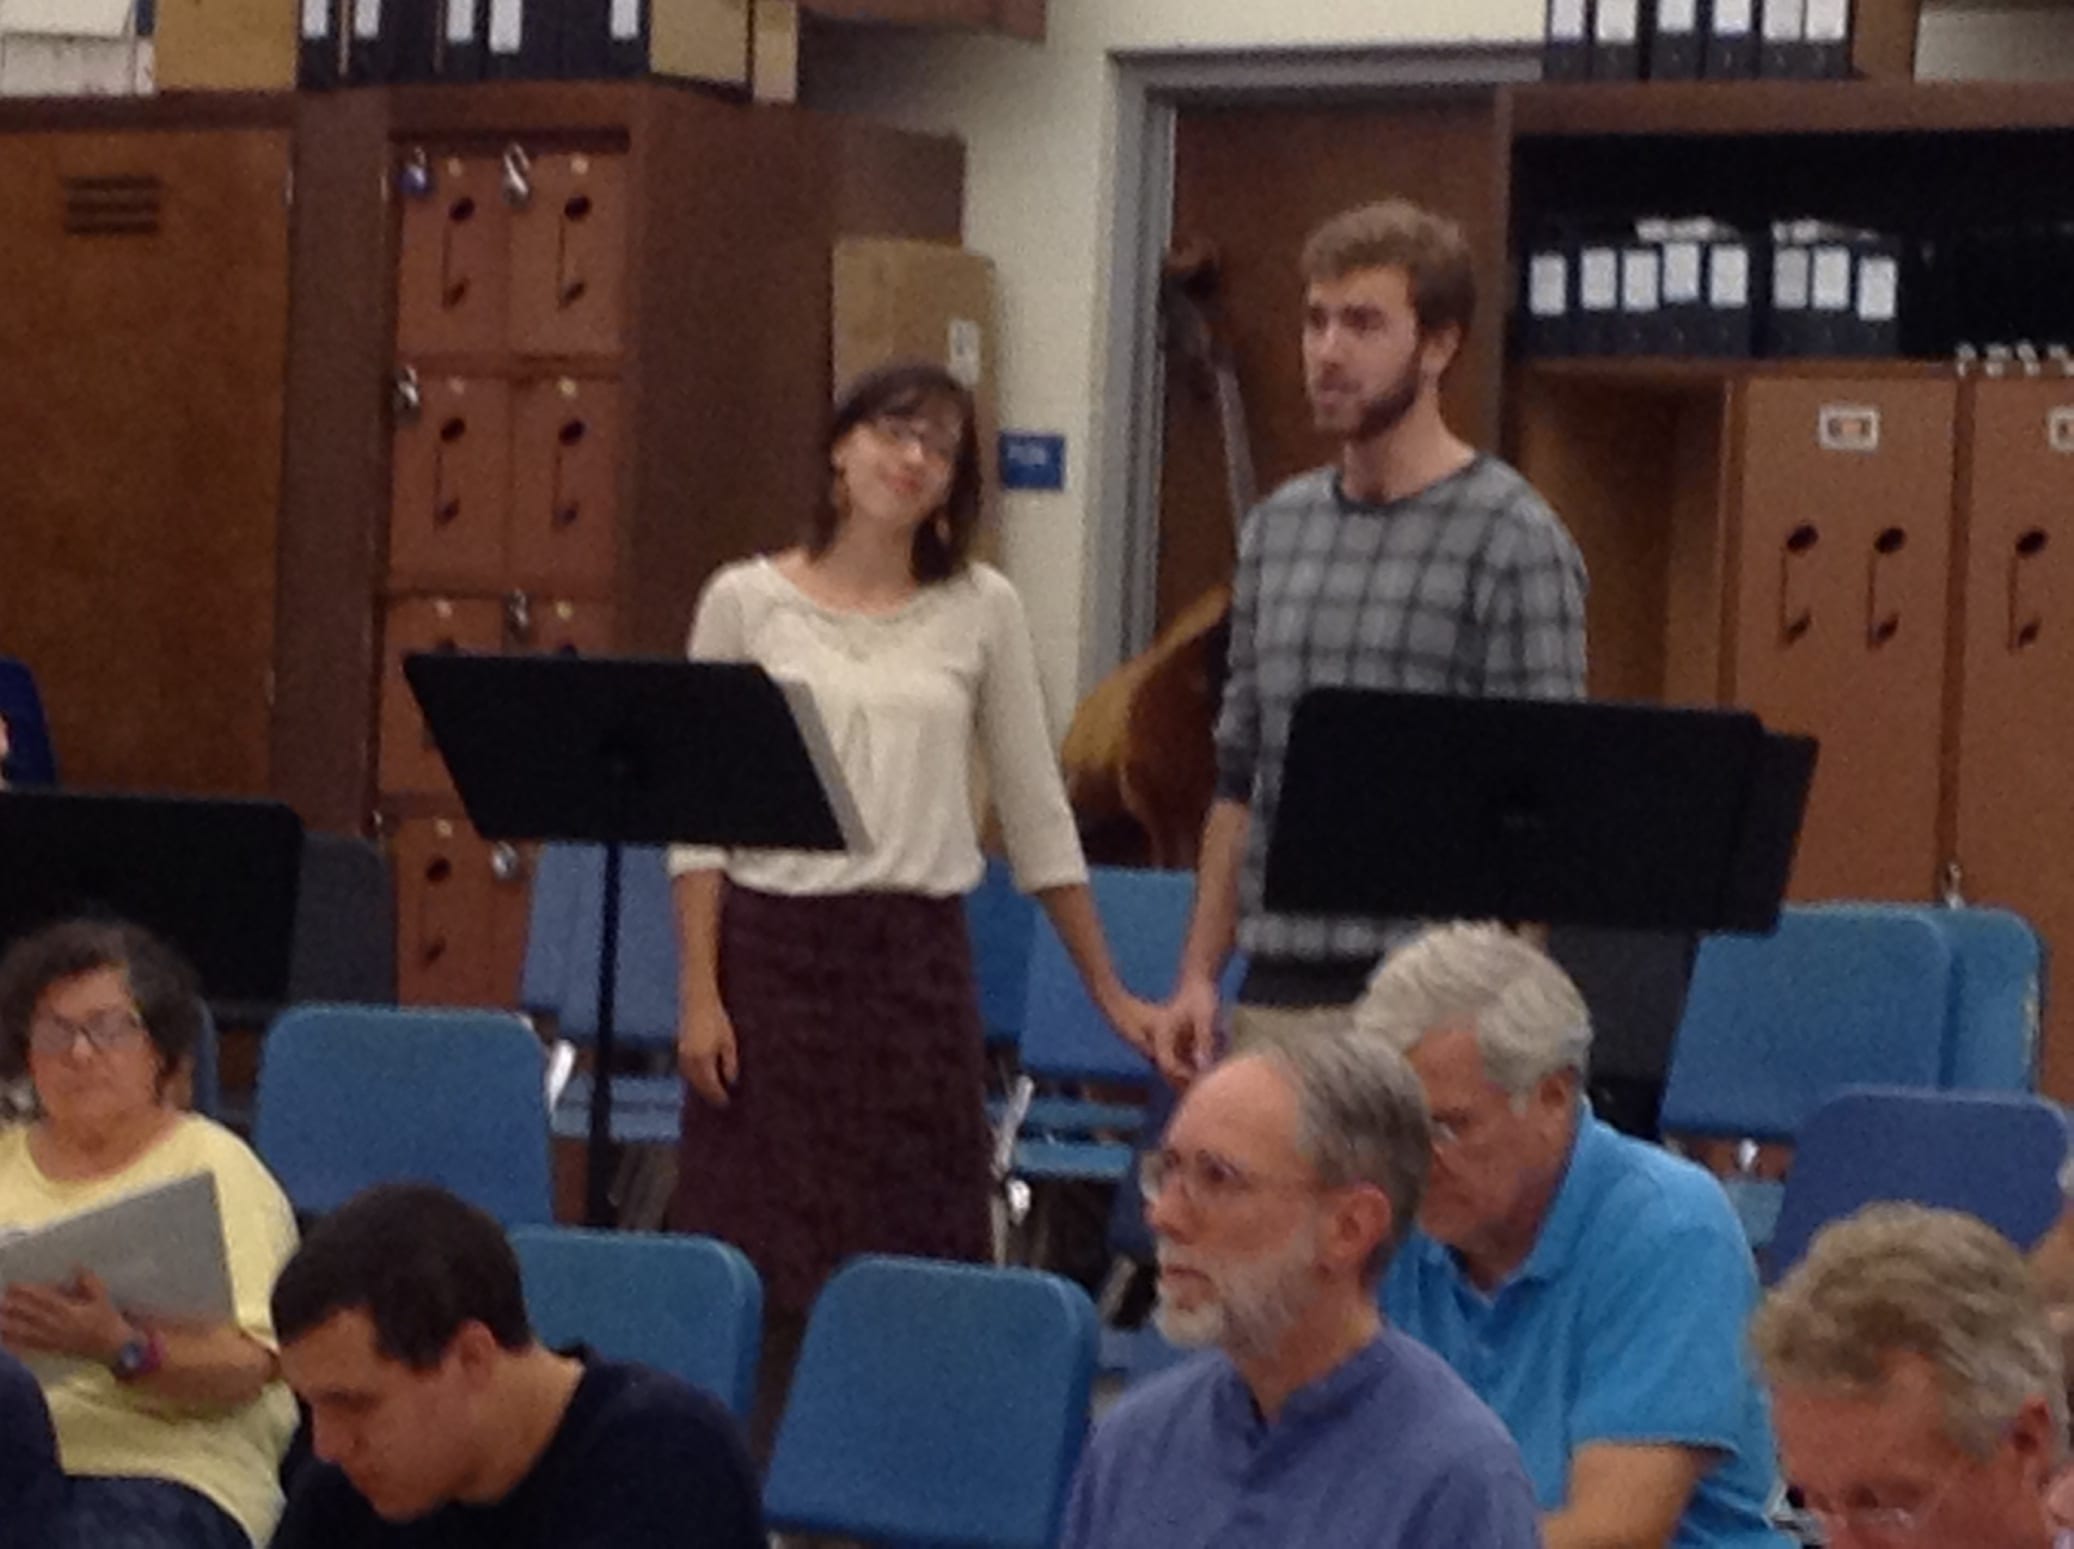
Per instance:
(1898,1280)
(1527,1016)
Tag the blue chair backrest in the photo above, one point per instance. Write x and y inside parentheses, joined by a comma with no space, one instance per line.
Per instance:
(690,1306)
(1145,917)
(1998,999)
(1997,994)
(31,760)
(560,973)
(935,1404)
(204,1075)
(1774,1024)
(1995,1155)
(351,1096)
(1002,922)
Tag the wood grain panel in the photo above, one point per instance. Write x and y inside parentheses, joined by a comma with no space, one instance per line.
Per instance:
(143,320)
(2013,817)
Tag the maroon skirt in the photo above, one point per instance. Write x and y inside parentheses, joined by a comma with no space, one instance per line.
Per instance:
(857,1123)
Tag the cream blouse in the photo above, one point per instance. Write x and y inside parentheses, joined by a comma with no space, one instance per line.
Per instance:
(903,695)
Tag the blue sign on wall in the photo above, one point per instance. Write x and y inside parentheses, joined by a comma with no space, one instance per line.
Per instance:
(1032,460)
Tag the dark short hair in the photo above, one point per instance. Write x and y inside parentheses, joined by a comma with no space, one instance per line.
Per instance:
(419,1261)
(908,387)
(165,988)
(1397,234)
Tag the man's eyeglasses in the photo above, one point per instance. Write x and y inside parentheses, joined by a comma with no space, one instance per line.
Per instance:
(1880,1524)
(1207,1180)
(912,432)
(103,1031)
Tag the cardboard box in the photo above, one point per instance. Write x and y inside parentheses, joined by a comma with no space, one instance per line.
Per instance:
(226,45)
(774,51)
(905,300)
(35,64)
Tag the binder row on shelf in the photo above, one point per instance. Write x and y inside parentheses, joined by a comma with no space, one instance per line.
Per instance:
(379,42)
(1688,40)
(1702,288)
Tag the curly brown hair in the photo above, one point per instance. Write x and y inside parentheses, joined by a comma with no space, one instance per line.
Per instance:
(165,988)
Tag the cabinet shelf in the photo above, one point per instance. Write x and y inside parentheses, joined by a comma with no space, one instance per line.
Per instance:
(1745,108)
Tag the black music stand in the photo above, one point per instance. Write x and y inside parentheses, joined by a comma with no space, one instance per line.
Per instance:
(215,878)
(1646,822)
(1562,812)
(631,751)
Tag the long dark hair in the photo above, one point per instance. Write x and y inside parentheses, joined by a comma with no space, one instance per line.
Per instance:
(943,543)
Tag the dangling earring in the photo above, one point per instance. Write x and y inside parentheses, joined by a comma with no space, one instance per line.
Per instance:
(943,530)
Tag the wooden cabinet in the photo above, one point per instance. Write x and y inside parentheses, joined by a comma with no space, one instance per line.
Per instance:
(1841,525)
(2012,752)
(558,352)
(144,271)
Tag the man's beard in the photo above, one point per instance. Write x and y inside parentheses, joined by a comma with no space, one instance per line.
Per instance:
(1251,1305)
(1384,411)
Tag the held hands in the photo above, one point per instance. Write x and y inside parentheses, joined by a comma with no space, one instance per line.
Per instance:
(76,1320)
(1186,1031)
(706,1051)
(1136,1021)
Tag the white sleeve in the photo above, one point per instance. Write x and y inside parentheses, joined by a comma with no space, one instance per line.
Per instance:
(719,633)
(1022,766)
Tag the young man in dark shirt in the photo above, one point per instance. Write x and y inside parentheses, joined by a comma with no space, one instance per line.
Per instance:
(441,1423)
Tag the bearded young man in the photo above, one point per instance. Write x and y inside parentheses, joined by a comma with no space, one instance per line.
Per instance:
(1285,1182)
(1412,561)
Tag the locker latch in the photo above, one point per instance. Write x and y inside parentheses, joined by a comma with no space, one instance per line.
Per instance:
(517,178)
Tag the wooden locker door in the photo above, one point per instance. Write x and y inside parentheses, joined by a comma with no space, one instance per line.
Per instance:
(460,914)
(450,485)
(569,256)
(1843,559)
(564,534)
(410,764)
(453,255)
(143,327)
(2013,808)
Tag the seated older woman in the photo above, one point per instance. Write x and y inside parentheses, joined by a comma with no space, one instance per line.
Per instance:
(170,1436)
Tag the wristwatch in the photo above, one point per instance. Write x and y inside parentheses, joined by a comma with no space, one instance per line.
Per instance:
(141,1355)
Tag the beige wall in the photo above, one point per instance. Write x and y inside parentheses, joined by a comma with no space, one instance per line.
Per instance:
(1039,124)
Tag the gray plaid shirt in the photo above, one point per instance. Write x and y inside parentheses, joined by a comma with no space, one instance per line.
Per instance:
(1471,586)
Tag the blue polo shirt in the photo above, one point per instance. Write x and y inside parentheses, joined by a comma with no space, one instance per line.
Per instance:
(1624,1325)
(1388,1449)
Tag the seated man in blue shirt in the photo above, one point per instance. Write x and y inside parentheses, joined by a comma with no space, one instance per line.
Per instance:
(1592,1289)
(1286,1179)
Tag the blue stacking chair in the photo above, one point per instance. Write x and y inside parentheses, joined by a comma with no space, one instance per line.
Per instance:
(1998,999)
(935,1404)
(31,760)
(1996,1004)
(1775,1024)
(690,1306)
(356,1095)
(1838,995)
(1065,1038)
(559,978)
(1001,922)
(1995,1155)
(204,1073)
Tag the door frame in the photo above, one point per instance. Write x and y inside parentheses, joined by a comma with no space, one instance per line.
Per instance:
(1120,559)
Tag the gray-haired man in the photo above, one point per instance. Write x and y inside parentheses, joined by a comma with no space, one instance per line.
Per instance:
(1592,1290)
(1287,1178)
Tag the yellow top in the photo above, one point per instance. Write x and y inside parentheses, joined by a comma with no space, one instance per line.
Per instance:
(106,1429)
